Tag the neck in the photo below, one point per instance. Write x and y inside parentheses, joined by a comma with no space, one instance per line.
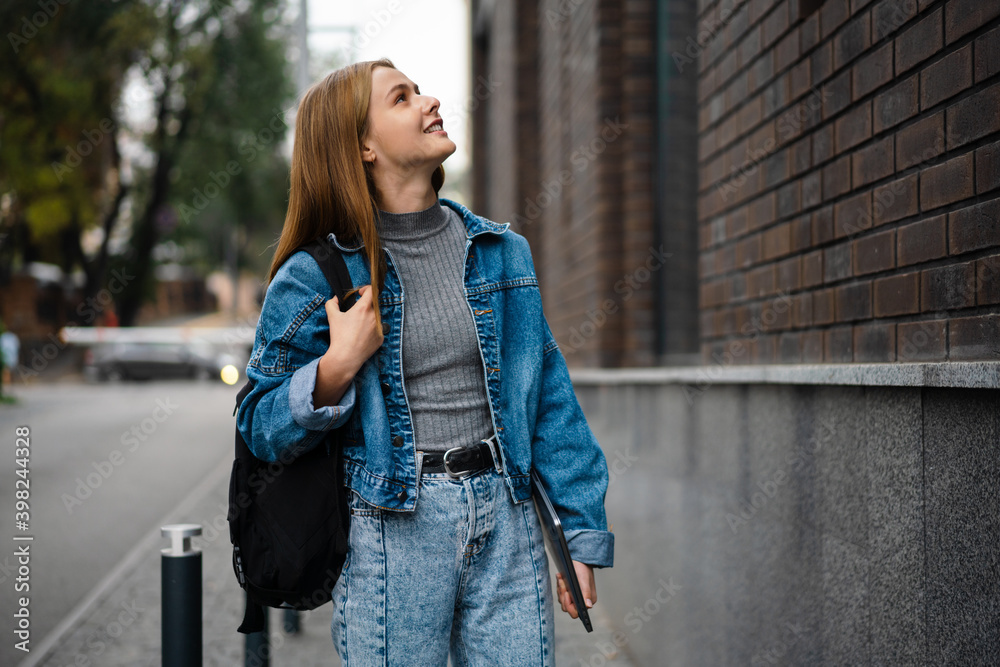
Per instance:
(399,194)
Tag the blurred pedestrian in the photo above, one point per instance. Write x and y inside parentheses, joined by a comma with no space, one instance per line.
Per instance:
(10,350)
(449,392)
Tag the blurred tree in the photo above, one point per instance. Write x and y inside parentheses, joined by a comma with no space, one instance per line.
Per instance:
(204,157)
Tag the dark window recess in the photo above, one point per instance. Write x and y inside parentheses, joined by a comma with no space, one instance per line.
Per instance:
(807,7)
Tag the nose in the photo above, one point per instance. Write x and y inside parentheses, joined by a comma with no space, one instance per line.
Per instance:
(431,103)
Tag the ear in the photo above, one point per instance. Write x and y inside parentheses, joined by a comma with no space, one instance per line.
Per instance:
(367,154)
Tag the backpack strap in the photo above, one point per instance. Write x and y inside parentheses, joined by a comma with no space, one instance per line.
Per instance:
(253,618)
(334,268)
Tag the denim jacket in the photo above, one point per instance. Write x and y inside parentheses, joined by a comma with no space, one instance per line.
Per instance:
(536,417)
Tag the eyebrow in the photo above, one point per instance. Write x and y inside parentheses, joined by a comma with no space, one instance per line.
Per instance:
(404,86)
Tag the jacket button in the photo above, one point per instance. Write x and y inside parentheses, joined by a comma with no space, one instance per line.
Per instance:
(385,328)
(401,495)
(386,388)
(398,441)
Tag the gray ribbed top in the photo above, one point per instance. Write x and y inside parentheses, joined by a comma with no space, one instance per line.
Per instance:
(442,367)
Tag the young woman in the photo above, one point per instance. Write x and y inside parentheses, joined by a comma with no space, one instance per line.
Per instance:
(445,379)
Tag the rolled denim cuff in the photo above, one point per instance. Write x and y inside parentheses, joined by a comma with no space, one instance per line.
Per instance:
(300,401)
(592,547)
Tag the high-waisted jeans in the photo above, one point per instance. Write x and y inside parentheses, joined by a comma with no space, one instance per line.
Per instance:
(465,574)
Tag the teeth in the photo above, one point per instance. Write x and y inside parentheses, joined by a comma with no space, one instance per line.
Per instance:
(434,127)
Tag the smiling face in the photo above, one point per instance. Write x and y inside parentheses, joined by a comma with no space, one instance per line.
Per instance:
(398,143)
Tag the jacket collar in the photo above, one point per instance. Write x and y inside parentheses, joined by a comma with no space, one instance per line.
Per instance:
(474,225)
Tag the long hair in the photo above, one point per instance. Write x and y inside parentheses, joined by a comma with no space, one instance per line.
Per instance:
(331,188)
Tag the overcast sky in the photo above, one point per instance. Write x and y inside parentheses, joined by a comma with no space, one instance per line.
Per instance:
(427,41)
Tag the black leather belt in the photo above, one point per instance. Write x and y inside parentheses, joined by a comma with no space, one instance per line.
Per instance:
(459,461)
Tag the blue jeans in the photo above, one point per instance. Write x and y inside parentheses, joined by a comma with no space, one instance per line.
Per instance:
(465,573)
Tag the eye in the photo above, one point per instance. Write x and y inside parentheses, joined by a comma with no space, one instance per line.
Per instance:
(401,96)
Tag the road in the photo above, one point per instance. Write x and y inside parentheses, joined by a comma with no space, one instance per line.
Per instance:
(106,463)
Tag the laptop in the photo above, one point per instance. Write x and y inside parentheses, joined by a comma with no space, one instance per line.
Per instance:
(555,541)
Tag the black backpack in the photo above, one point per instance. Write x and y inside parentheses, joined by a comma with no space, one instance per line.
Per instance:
(289,520)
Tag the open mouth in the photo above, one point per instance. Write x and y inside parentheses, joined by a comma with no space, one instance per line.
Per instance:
(436,127)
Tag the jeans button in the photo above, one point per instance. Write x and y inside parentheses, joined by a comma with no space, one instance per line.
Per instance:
(386,388)
(398,441)
(401,495)
(385,328)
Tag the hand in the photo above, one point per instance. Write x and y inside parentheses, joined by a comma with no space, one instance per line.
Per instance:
(588,587)
(354,335)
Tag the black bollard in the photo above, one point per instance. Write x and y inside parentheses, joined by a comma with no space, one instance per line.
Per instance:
(258,646)
(291,621)
(181,598)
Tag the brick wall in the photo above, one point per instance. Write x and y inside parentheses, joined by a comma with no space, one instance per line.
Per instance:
(565,152)
(849,166)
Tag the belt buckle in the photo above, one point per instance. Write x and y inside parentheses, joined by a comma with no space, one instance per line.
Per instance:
(454,475)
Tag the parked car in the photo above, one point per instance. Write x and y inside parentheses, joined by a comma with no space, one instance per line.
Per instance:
(145,361)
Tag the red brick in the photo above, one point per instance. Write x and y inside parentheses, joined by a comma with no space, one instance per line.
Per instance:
(988,280)
(748,251)
(836,94)
(852,41)
(801,156)
(988,168)
(974,117)
(853,215)
(874,343)
(854,127)
(948,287)
(801,233)
(896,200)
(763,350)
(873,162)
(788,274)
(922,241)
(787,51)
(812,347)
(875,252)
(810,32)
(974,338)
(802,309)
(800,80)
(790,348)
(987,55)
(821,63)
(760,281)
(964,16)
(889,16)
(854,301)
(822,144)
(946,78)
(812,189)
(919,42)
(838,345)
(897,295)
(873,71)
(920,142)
(945,183)
(832,15)
(762,211)
(837,178)
(812,269)
(777,241)
(776,23)
(974,227)
(896,104)
(822,225)
(837,262)
(823,307)
(921,341)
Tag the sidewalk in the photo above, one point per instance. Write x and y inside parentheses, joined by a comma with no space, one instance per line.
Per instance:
(119,624)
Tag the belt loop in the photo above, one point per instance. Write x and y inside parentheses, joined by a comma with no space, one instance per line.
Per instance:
(491,443)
